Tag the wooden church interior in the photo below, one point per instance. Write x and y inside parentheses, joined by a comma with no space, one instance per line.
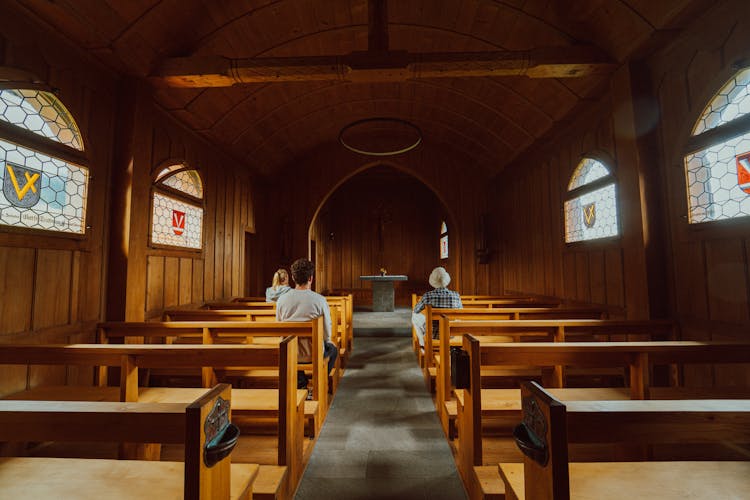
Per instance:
(588,161)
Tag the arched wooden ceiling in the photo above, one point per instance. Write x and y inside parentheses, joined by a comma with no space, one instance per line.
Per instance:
(271,125)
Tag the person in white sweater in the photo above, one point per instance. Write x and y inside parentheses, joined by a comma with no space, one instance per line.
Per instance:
(303,304)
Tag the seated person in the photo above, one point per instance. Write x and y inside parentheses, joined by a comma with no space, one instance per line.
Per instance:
(439,297)
(279,285)
(303,304)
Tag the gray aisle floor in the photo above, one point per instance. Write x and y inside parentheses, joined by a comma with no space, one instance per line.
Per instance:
(382,437)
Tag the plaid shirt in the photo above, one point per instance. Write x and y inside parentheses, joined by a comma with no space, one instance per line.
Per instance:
(441,298)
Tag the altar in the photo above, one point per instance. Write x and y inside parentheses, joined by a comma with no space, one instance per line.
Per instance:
(382,290)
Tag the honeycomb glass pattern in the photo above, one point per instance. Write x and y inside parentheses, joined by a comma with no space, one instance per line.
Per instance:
(717,176)
(713,182)
(732,101)
(41,113)
(186,181)
(41,192)
(176,223)
(592,215)
(586,172)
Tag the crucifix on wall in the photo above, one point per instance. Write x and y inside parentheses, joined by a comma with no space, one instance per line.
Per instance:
(382,217)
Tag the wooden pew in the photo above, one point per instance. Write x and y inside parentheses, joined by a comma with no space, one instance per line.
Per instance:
(249,299)
(485,302)
(549,426)
(239,305)
(188,424)
(341,323)
(495,314)
(219,315)
(285,404)
(478,405)
(345,314)
(571,322)
(235,332)
(211,316)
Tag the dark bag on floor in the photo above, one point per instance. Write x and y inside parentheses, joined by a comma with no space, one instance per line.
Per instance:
(459,368)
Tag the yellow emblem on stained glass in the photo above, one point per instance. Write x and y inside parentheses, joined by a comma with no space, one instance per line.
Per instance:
(31,177)
(589,215)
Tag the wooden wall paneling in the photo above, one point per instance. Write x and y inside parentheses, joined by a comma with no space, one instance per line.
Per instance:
(75,287)
(238,274)
(140,208)
(186,281)
(16,289)
(629,177)
(227,257)
(691,280)
(570,274)
(52,279)
(198,277)
(547,227)
(155,281)
(726,271)
(614,277)
(171,281)
(598,281)
(583,283)
(209,239)
(219,217)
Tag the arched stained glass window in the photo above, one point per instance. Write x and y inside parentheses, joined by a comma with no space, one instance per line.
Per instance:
(591,205)
(177,208)
(717,166)
(40,189)
(443,240)
(42,113)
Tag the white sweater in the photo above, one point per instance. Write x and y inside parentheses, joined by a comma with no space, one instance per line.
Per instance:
(304,305)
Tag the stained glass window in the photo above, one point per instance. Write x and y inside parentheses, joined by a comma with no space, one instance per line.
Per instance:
(177,212)
(443,241)
(718,174)
(40,190)
(40,112)
(591,207)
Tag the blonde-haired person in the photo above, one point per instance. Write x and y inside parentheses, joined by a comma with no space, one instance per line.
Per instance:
(279,285)
(439,297)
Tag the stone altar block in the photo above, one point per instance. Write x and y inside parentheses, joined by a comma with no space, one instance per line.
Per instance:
(382,290)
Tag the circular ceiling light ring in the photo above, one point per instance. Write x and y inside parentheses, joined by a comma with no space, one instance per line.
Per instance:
(384,120)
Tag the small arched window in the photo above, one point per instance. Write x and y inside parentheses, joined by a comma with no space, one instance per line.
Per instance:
(44,171)
(177,208)
(717,163)
(443,240)
(591,203)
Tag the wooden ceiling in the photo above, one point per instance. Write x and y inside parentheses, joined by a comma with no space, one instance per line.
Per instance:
(489,107)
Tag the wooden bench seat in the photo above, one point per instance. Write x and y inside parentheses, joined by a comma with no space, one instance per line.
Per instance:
(74,421)
(477,416)
(485,302)
(557,330)
(24,477)
(549,426)
(288,448)
(620,480)
(233,332)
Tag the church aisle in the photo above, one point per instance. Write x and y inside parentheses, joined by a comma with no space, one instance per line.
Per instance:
(382,437)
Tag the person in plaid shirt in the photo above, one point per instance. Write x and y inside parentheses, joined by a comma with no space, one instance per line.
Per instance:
(440,297)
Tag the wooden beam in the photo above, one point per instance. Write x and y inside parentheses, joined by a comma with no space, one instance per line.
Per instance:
(377,33)
(216,71)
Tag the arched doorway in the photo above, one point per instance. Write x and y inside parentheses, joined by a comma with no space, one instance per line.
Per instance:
(380,217)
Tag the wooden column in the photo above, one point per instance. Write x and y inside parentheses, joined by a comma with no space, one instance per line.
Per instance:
(631,188)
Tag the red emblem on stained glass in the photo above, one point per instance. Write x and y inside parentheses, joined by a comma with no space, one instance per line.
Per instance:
(743,172)
(178,222)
